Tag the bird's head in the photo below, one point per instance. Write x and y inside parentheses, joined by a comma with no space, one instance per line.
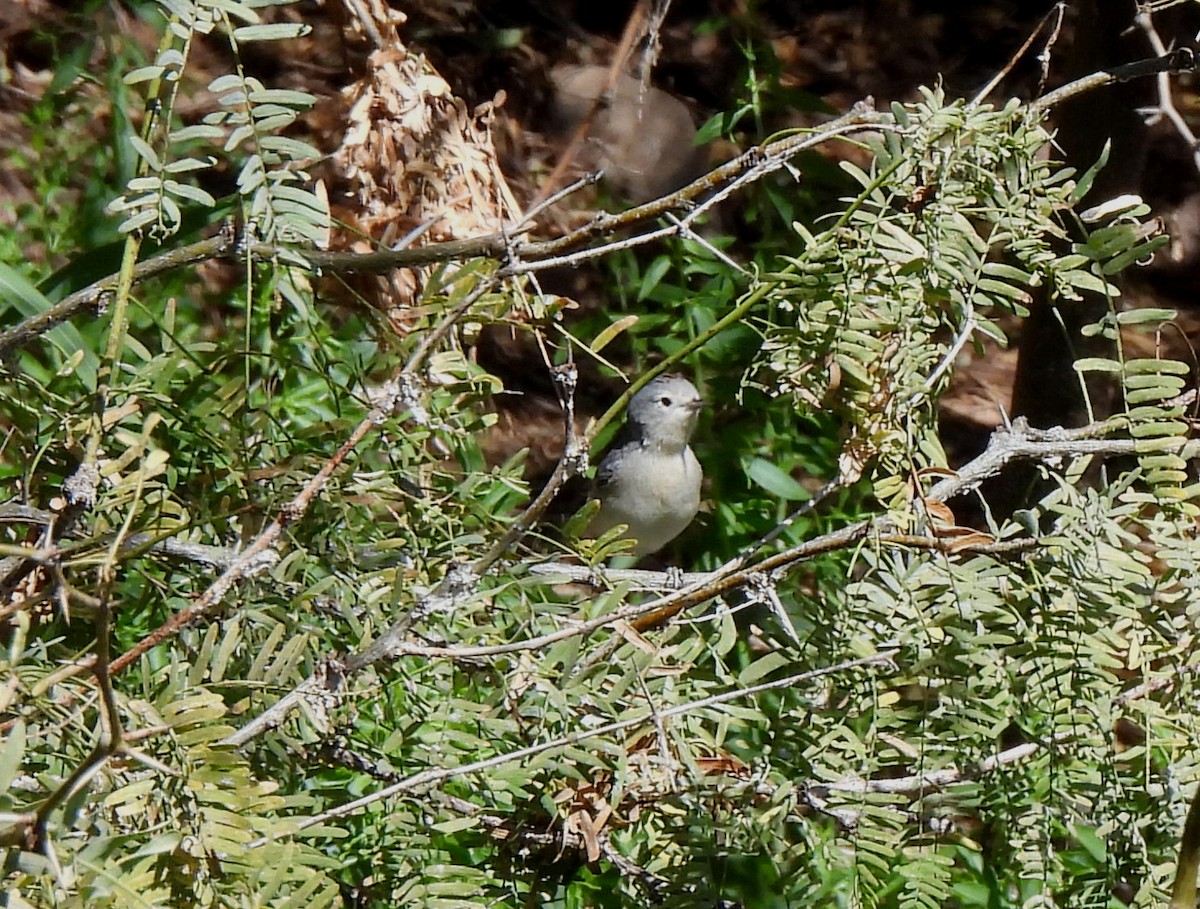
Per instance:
(664,412)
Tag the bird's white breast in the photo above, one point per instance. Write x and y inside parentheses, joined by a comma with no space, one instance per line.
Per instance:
(658,497)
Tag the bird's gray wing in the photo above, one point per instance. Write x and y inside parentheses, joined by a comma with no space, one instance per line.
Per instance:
(579,489)
(607,471)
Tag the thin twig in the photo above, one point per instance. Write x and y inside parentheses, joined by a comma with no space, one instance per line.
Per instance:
(804,508)
(1166,104)
(960,341)
(616,67)
(1058,12)
(435,336)
(95,295)
(362,16)
(686,233)
(574,460)
(1181,60)
(530,217)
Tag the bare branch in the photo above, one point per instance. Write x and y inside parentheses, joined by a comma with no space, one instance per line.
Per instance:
(1057,14)
(1020,441)
(93,297)
(920,783)
(528,256)
(1166,104)
(1181,60)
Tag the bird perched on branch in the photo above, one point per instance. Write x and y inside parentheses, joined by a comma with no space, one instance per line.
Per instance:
(650,478)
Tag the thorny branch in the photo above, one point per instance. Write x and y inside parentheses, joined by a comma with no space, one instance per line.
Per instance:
(1181,60)
(1021,441)
(1166,104)
(1016,442)
(427,778)
(1055,16)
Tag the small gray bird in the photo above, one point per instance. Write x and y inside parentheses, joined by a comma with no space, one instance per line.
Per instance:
(650,479)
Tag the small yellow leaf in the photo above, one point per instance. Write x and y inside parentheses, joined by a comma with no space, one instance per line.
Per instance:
(605,337)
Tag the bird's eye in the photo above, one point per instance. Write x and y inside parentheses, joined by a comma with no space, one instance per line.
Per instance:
(664,401)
